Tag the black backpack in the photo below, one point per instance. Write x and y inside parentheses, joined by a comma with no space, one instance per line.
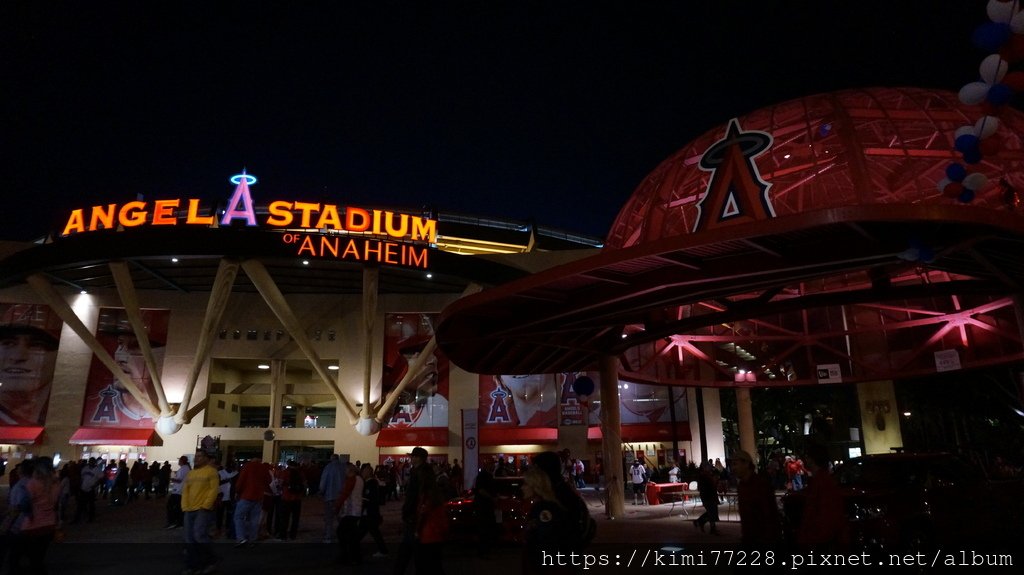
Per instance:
(583,525)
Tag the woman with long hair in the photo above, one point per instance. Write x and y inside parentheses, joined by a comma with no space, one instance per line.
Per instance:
(548,522)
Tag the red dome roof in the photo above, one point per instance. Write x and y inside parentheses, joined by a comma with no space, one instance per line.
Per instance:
(848,148)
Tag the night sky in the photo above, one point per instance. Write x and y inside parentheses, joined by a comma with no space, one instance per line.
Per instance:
(551,111)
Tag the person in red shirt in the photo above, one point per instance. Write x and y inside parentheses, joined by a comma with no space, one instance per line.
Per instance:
(823,526)
(253,480)
(293,488)
(795,473)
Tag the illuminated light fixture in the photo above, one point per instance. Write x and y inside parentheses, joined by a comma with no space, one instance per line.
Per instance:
(429,275)
(745,376)
(305,262)
(906,414)
(83,292)
(333,367)
(786,156)
(263,366)
(287,407)
(625,335)
(174,260)
(249,178)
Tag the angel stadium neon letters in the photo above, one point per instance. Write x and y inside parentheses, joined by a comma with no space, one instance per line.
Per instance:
(314,229)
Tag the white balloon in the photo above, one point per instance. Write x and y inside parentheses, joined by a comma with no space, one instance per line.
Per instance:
(975,181)
(943,183)
(1017,23)
(974,93)
(993,68)
(963,131)
(367,426)
(999,11)
(986,126)
(167,426)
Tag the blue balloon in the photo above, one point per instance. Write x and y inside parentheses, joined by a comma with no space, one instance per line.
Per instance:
(999,94)
(966,143)
(967,196)
(972,156)
(583,385)
(956,172)
(991,36)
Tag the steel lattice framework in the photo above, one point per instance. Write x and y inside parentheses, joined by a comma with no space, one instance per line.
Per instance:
(865,264)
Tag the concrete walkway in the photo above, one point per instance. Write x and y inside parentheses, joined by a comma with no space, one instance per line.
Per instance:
(133,537)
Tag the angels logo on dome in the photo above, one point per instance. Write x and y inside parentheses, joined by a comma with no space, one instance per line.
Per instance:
(736,192)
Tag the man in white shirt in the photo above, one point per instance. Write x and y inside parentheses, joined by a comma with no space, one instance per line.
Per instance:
(638,477)
(175,516)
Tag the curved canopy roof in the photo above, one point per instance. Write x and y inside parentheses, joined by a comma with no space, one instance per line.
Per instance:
(808,233)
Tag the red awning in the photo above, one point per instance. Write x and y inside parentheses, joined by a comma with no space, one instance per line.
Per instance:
(115,436)
(517,435)
(647,432)
(20,435)
(412,436)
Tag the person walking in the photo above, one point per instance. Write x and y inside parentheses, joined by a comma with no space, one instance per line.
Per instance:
(823,526)
(372,518)
(226,510)
(760,525)
(91,476)
(289,507)
(707,486)
(200,493)
(638,478)
(175,518)
(35,527)
(349,509)
(331,481)
(419,474)
(253,479)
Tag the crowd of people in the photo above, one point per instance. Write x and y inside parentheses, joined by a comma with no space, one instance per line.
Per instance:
(258,501)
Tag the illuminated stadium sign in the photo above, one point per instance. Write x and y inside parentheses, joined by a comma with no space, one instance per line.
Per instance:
(312,229)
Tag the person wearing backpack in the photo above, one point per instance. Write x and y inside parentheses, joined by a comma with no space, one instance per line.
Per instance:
(290,506)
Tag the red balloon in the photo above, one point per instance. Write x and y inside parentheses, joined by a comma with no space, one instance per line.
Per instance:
(953,190)
(1014,49)
(1015,80)
(989,147)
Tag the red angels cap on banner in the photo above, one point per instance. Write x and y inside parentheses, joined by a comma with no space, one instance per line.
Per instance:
(37,320)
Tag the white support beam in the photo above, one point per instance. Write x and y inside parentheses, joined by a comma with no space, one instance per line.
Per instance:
(275,300)
(416,367)
(371,277)
(219,294)
(49,295)
(130,300)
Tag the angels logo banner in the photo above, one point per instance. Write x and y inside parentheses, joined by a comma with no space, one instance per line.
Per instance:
(520,400)
(107,402)
(538,401)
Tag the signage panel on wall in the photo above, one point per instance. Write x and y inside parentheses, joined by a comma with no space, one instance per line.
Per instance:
(107,402)
(29,337)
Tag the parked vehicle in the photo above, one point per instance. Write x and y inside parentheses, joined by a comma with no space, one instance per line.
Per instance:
(510,511)
(909,502)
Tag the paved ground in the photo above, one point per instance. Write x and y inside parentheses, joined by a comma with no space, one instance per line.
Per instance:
(134,535)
